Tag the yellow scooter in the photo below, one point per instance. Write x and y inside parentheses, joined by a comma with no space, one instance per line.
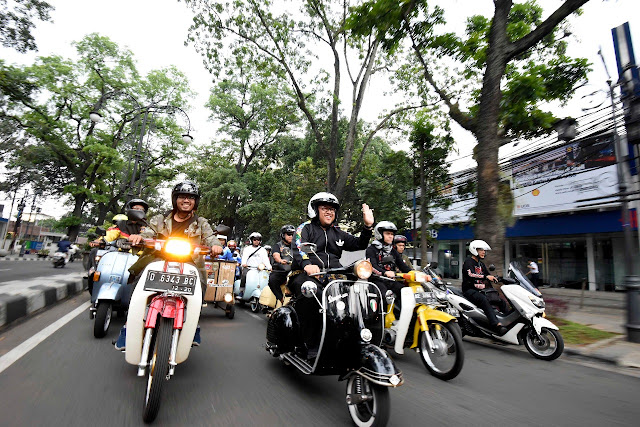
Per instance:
(435,334)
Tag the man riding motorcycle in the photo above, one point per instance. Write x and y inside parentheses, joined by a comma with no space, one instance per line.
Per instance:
(63,246)
(474,280)
(283,258)
(252,256)
(400,244)
(322,230)
(182,221)
(382,247)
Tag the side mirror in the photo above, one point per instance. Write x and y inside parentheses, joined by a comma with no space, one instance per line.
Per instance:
(101,231)
(390,297)
(309,289)
(492,267)
(308,247)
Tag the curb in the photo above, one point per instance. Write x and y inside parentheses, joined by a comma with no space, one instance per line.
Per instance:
(47,258)
(17,306)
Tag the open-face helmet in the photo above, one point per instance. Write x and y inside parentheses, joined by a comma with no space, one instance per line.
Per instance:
(399,238)
(322,199)
(478,244)
(381,227)
(185,187)
(135,214)
(286,229)
(255,235)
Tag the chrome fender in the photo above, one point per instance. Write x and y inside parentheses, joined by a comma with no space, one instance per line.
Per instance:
(541,322)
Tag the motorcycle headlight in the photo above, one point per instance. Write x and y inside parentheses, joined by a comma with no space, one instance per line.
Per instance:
(538,302)
(363,269)
(228,297)
(97,258)
(261,267)
(178,247)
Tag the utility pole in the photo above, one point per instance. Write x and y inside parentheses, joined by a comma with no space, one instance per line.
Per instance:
(16,226)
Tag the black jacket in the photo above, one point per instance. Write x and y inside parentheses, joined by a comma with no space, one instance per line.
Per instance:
(375,255)
(473,272)
(331,242)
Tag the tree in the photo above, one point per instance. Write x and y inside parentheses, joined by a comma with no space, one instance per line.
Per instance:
(289,46)
(507,67)
(50,102)
(16,22)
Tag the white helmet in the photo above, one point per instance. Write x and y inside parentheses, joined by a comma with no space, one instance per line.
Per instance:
(478,244)
(255,235)
(324,199)
(381,227)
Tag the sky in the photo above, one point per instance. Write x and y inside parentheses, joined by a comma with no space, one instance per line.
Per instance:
(155,31)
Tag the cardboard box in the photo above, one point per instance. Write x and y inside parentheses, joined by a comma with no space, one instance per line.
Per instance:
(221,275)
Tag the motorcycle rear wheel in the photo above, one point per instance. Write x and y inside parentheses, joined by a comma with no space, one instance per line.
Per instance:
(103,319)
(158,369)
(447,360)
(549,346)
(230,311)
(374,412)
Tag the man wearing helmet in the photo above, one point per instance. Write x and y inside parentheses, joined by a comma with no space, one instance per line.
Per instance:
(474,277)
(322,230)
(235,256)
(282,259)
(400,244)
(252,256)
(223,231)
(385,259)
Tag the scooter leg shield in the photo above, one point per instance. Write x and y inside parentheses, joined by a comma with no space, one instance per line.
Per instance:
(408,304)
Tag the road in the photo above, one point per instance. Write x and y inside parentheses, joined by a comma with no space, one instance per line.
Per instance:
(27,270)
(73,379)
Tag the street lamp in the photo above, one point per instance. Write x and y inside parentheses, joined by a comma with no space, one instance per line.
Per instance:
(96,117)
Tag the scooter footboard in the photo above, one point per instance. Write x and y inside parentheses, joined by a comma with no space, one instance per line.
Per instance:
(378,367)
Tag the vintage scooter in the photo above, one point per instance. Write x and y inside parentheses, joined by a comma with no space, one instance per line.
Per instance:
(424,325)
(352,325)
(163,316)
(257,280)
(110,288)
(526,323)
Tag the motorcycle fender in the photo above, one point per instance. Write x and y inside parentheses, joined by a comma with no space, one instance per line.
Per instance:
(541,322)
(256,293)
(375,359)
(110,291)
(426,314)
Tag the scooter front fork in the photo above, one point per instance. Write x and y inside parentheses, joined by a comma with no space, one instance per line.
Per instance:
(144,358)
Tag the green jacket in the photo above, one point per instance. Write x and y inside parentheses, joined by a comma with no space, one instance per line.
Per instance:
(199,232)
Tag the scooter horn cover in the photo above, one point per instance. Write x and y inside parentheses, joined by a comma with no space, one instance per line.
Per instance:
(283,329)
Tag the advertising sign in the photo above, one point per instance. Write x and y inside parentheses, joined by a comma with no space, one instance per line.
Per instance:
(555,180)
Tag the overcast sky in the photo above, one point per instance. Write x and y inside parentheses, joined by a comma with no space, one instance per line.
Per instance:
(155,31)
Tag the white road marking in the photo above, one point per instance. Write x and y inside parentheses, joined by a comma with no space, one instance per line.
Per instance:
(250,314)
(22,349)
(5,269)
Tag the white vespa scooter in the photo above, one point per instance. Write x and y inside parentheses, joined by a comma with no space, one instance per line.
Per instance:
(163,316)
(526,323)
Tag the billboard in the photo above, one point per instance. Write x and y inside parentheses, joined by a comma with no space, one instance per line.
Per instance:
(555,180)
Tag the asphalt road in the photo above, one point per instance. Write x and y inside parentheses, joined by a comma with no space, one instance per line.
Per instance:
(26,270)
(73,379)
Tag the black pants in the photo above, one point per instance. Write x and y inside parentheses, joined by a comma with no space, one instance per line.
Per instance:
(388,285)
(243,277)
(308,310)
(276,279)
(479,299)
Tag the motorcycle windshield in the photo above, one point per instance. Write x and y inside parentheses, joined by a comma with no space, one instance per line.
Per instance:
(436,278)
(516,271)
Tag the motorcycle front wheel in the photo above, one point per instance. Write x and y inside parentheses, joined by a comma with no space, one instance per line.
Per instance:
(548,346)
(158,369)
(373,406)
(255,304)
(103,319)
(446,360)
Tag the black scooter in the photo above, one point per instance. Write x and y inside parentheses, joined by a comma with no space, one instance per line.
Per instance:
(352,329)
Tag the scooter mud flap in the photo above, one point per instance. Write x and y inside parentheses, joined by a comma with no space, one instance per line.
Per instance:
(408,304)
(378,367)
(541,322)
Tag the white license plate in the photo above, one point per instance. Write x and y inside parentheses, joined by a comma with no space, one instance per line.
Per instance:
(179,283)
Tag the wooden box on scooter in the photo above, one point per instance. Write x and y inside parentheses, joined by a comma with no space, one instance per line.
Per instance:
(220,277)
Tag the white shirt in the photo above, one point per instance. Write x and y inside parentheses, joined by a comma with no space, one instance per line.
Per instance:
(533,266)
(260,257)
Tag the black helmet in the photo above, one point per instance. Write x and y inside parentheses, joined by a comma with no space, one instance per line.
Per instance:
(399,238)
(185,187)
(286,229)
(134,214)
(131,203)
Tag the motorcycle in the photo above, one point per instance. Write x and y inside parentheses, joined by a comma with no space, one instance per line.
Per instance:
(58,259)
(110,289)
(163,316)
(525,322)
(352,326)
(257,280)
(435,333)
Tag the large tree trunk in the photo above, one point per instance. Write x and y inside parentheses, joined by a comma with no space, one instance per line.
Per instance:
(489,226)
(73,230)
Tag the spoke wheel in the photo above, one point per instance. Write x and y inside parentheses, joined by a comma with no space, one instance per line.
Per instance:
(375,410)
(447,358)
(158,369)
(103,319)
(548,346)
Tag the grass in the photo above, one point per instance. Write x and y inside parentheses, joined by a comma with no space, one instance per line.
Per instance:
(579,334)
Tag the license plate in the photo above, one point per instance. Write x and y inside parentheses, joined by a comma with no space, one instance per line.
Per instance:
(179,283)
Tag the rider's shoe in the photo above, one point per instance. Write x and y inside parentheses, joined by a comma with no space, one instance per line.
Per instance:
(122,339)
(500,330)
(196,339)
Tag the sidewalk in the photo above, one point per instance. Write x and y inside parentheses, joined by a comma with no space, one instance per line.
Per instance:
(600,310)
(26,257)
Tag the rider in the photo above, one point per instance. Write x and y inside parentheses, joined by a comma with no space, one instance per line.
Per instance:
(400,244)
(223,231)
(233,248)
(282,258)
(252,256)
(474,275)
(63,246)
(181,221)
(322,230)
(382,247)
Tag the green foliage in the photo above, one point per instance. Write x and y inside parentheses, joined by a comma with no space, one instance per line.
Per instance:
(16,22)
